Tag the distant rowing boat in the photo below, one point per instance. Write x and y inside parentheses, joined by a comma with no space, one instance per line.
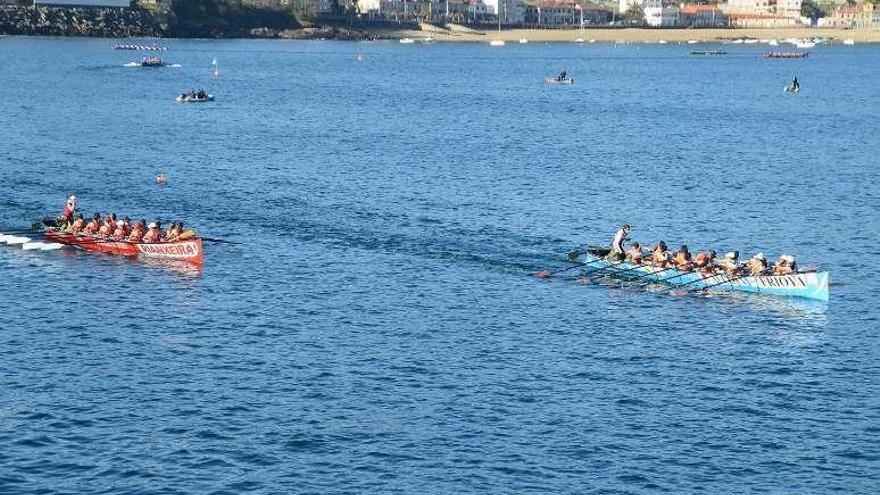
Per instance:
(148,48)
(809,285)
(557,80)
(708,52)
(786,54)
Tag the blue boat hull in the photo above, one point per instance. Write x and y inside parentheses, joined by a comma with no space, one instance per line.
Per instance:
(809,285)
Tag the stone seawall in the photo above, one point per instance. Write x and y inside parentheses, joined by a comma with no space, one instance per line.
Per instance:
(78,21)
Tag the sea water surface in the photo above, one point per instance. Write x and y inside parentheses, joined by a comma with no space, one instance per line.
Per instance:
(378,329)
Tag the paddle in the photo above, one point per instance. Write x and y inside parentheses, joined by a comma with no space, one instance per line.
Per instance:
(548,274)
(729,280)
(651,273)
(219,241)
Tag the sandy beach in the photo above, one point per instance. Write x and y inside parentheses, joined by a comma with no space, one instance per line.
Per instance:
(865,35)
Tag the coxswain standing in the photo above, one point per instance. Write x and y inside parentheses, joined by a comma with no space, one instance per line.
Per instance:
(67,214)
(620,237)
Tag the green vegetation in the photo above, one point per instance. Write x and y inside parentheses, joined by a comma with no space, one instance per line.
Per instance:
(220,18)
(634,16)
(811,10)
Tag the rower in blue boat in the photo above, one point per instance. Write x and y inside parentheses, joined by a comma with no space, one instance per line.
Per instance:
(757,265)
(634,254)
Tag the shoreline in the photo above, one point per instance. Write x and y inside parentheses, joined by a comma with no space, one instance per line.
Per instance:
(607,35)
(641,35)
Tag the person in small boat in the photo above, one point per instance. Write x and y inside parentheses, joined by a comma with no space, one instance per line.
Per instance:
(795,85)
(730,263)
(562,76)
(620,237)
(660,255)
(153,233)
(757,265)
(785,265)
(78,225)
(634,253)
(682,259)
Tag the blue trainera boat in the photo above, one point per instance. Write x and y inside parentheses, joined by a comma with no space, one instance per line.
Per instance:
(810,285)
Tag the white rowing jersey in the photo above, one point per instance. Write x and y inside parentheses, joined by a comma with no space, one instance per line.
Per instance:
(617,243)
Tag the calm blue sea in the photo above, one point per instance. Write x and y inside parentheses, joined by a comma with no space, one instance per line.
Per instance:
(378,330)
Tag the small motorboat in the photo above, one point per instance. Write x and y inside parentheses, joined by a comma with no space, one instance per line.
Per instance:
(198,97)
(152,62)
(792,89)
(523,41)
(560,80)
(407,41)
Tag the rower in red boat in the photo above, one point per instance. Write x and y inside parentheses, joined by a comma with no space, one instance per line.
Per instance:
(119,231)
(106,228)
(94,225)
(153,235)
(137,232)
(78,225)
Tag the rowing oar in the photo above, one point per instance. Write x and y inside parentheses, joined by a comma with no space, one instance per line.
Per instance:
(219,241)
(548,274)
(729,280)
(651,273)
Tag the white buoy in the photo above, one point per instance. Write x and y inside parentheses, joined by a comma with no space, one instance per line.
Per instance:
(51,246)
(30,246)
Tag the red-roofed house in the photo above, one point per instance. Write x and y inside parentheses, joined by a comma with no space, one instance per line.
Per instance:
(701,16)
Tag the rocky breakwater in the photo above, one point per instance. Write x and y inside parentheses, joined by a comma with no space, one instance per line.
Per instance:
(78,21)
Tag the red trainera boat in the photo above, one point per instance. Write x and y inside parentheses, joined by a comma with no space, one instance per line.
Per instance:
(189,250)
(786,54)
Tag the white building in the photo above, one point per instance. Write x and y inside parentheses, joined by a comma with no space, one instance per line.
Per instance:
(661,14)
(512,11)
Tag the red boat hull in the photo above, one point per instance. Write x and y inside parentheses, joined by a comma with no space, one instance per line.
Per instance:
(189,251)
